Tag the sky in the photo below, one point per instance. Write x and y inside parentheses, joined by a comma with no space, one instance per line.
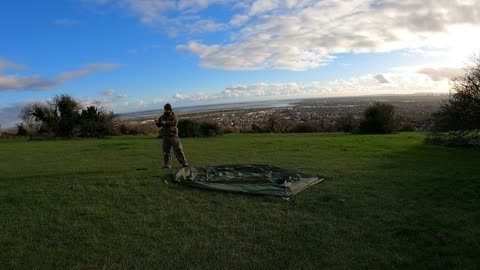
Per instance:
(133,55)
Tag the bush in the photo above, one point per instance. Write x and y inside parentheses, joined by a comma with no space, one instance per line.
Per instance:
(452,139)
(304,127)
(229,130)
(345,123)
(210,129)
(130,128)
(328,125)
(378,119)
(95,123)
(276,124)
(61,117)
(255,129)
(406,126)
(190,128)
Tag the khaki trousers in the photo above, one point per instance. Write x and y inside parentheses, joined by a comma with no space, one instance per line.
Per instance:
(170,142)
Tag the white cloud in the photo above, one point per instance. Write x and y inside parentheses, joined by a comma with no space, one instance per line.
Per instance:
(6,64)
(9,115)
(148,10)
(157,101)
(238,20)
(88,70)
(108,92)
(306,34)
(20,83)
(174,17)
(141,103)
(262,6)
(191,97)
(197,5)
(17,83)
(299,35)
(439,74)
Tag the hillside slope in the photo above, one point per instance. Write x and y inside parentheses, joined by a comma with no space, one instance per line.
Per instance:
(389,202)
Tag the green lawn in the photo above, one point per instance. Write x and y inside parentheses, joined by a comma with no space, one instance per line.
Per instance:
(389,202)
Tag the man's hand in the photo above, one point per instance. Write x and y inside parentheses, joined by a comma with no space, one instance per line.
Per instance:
(163,123)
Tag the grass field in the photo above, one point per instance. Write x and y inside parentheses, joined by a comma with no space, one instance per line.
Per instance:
(389,202)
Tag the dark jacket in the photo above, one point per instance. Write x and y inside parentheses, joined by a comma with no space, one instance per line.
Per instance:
(170,127)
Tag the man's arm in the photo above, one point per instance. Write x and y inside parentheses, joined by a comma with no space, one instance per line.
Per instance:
(172,122)
(158,122)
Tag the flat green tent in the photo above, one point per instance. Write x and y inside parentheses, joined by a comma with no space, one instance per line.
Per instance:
(252,179)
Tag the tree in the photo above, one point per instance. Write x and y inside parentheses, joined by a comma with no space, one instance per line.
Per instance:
(67,110)
(345,122)
(41,117)
(57,117)
(190,128)
(61,117)
(94,122)
(378,119)
(28,128)
(277,124)
(461,113)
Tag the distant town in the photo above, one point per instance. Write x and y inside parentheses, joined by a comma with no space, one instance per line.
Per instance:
(412,110)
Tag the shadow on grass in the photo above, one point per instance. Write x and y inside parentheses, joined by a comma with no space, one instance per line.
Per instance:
(426,198)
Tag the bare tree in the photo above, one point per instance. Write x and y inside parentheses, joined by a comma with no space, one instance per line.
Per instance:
(461,113)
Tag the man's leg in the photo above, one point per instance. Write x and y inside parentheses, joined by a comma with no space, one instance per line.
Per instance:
(167,145)
(178,150)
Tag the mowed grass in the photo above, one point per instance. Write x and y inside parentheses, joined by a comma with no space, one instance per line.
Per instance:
(389,202)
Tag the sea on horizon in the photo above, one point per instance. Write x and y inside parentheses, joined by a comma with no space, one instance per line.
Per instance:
(226,106)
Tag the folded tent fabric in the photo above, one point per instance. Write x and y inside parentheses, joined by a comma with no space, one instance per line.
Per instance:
(247,178)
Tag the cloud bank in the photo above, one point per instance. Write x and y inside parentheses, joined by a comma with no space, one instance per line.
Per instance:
(300,35)
(379,84)
(306,34)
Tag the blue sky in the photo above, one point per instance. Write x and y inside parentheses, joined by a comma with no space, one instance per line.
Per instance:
(130,55)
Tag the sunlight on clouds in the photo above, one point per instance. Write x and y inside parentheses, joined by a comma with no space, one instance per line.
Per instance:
(300,35)
(306,34)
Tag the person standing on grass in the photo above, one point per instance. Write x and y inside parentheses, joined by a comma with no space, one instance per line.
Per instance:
(168,123)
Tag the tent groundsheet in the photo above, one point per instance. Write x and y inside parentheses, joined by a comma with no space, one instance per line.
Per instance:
(247,178)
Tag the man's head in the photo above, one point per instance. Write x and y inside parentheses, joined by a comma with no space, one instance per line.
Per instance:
(167,108)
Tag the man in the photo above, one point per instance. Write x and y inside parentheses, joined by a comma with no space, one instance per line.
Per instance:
(168,122)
